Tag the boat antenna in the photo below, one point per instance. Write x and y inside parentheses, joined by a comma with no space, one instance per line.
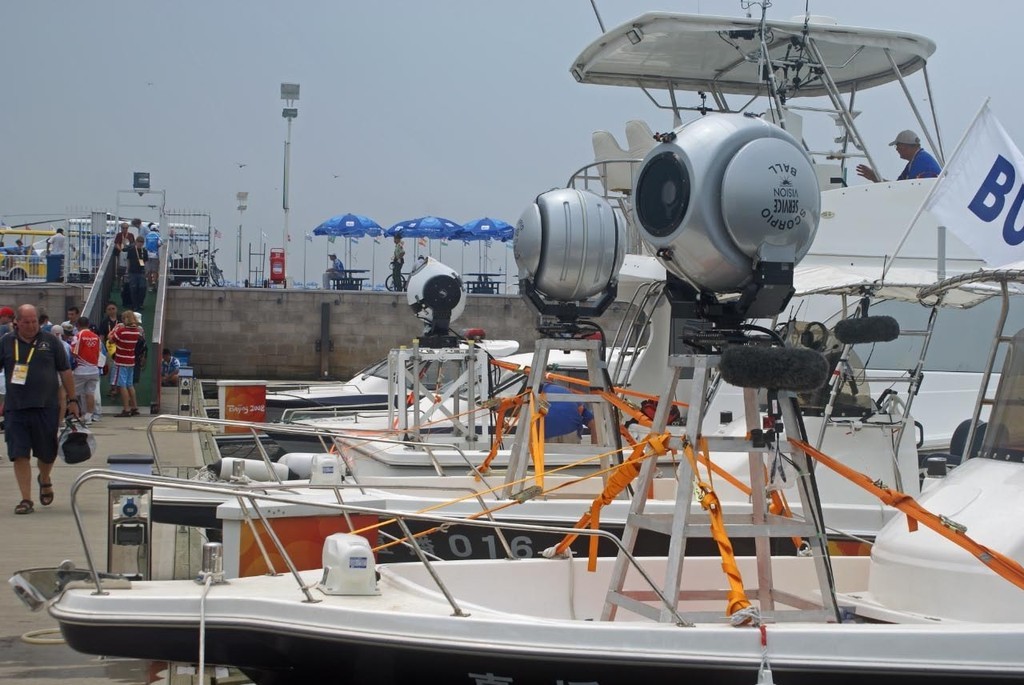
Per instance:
(763,4)
(597,14)
(776,95)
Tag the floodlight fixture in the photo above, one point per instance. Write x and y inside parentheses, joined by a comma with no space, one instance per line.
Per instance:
(290,91)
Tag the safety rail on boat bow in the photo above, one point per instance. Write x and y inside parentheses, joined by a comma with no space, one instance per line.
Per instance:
(253,496)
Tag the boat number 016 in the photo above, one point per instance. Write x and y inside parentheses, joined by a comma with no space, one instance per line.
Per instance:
(461,547)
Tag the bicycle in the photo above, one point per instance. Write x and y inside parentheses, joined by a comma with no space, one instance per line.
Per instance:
(207,270)
(216,273)
(389,283)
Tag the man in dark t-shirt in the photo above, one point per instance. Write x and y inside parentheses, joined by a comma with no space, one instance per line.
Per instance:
(136,265)
(122,240)
(34,365)
(110,319)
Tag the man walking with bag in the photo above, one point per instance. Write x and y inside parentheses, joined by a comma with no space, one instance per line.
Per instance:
(34,365)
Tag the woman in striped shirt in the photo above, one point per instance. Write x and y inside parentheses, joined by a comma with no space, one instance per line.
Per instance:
(125,335)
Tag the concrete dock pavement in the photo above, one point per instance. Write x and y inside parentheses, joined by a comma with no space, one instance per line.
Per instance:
(33,652)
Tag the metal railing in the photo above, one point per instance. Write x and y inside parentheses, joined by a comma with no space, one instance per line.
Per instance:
(252,497)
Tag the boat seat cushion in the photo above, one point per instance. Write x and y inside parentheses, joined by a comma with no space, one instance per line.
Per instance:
(618,176)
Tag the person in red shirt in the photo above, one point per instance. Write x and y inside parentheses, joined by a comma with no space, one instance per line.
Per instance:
(86,350)
(125,336)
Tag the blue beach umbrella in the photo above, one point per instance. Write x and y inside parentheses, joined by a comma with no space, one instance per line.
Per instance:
(424,227)
(349,226)
(485,228)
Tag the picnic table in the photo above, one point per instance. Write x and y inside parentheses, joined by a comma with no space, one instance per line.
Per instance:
(350,279)
(483,283)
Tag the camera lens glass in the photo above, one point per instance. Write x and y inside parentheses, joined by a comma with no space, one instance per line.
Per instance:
(662,194)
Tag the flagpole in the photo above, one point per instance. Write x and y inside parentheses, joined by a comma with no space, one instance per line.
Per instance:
(927,199)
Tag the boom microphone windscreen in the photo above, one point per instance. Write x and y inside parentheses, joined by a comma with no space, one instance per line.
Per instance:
(778,368)
(867,329)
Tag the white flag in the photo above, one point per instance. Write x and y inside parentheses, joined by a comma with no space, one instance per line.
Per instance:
(980,192)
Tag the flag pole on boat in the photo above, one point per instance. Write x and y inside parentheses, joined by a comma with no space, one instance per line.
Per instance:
(941,268)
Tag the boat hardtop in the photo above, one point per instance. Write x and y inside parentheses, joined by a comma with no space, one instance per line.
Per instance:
(661,50)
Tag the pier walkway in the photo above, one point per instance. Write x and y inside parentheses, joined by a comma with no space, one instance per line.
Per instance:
(33,653)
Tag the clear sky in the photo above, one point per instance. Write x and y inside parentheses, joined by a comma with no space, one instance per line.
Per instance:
(455,108)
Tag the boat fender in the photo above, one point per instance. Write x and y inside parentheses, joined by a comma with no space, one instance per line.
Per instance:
(349,567)
(253,469)
(303,463)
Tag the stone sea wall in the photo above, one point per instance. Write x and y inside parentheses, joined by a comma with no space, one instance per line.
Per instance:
(277,334)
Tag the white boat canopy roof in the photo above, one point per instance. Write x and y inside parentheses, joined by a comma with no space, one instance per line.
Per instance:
(902,284)
(661,50)
(1010,276)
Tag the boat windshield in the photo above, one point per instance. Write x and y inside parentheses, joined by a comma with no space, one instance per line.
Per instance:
(1004,436)
(956,330)
(377,370)
(433,375)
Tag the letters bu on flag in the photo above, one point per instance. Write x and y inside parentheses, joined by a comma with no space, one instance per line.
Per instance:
(980,193)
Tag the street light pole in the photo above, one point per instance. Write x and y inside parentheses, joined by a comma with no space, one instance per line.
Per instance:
(289,93)
(243,199)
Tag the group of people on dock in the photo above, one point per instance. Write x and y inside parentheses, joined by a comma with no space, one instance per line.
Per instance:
(137,250)
(52,372)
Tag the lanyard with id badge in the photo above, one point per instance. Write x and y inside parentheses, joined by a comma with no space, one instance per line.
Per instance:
(19,375)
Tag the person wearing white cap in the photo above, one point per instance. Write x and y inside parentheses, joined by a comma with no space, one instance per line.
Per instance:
(335,270)
(920,163)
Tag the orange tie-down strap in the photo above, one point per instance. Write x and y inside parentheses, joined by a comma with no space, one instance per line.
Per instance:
(621,476)
(1001,564)
(538,409)
(506,410)
(653,446)
(612,395)
(625,473)
(529,492)
(737,598)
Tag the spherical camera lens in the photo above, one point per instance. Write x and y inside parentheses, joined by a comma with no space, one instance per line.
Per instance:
(662,194)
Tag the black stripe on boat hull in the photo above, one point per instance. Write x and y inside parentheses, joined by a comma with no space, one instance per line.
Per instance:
(272,657)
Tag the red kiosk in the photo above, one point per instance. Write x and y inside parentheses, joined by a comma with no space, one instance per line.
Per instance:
(277,266)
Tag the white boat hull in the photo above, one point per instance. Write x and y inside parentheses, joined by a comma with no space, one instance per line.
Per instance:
(548,635)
